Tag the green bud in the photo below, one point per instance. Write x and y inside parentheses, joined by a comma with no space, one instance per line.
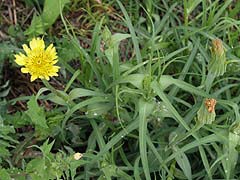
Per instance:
(217,64)
(106,36)
(147,82)
(206,114)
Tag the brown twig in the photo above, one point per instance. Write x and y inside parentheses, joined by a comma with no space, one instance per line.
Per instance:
(10,14)
(27,17)
(14,12)
(3,36)
(6,19)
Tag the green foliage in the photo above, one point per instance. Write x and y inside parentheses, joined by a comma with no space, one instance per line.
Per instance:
(6,140)
(48,166)
(40,23)
(4,89)
(6,49)
(36,113)
(4,174)
(6,131)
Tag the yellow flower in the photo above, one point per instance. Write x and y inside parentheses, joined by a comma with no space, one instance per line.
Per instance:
(38,61)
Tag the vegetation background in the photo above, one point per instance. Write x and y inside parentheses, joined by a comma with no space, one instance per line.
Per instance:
(130,101)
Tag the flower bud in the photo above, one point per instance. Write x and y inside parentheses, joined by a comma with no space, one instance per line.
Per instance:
(206,114)
(217,64)
(77,156)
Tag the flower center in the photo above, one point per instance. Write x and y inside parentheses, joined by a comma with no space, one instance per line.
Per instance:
(39,58)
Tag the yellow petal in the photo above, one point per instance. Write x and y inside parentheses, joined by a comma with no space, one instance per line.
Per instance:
(20,59)
(33,77)
(55,57)
(52,49)
(54,62)
(25,70)
(26,49)
(55,68)
(46,77)
(49,48)
(37,43)
(52,73)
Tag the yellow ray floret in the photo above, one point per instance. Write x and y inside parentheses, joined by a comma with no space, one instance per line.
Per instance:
(38,61)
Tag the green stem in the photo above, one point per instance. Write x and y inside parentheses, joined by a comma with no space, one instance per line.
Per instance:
(189,133)
(54,91)
(185,3)
(209,81)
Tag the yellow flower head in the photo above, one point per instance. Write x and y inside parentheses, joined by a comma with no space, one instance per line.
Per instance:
(38,61)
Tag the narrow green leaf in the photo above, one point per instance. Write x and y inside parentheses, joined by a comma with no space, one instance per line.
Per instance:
(98,134)
(81,92)
(157,88)
(145,108)
(183,163)
(132,32)
(128,129)
(75,75)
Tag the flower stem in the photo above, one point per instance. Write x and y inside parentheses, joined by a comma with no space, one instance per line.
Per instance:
(53,90)
(209,81)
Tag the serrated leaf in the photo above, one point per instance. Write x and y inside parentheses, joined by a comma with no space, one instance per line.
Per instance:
(46,148)
(37,26)
(36,113)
